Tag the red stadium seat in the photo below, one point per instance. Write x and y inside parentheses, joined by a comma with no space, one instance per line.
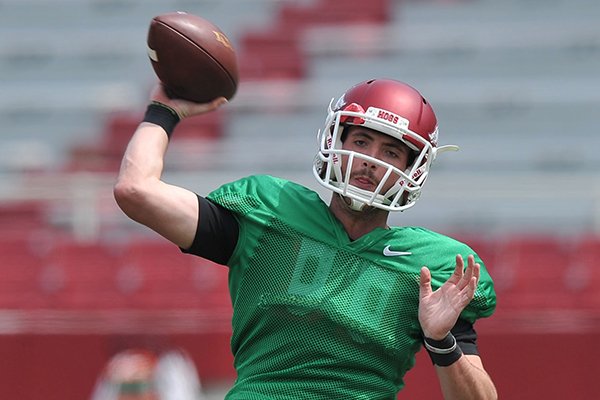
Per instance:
(167,278)
(267,65)
(277,53)
(274,53)
(81,276)
(331,13)
(535,267)
(105,155)
(20,274)
(121,126)
(21,262)
(22,216)
(583,276)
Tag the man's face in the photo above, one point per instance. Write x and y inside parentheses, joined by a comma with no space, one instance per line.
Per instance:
(367,175)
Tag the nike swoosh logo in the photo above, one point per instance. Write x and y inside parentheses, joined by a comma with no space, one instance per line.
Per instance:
(391,253)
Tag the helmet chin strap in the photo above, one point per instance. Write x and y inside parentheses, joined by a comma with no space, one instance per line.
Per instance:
(357,205)
(353,204)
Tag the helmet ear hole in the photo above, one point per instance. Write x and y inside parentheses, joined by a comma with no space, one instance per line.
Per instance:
(412,156)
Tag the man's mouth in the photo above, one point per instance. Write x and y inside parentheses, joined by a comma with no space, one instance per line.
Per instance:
(364,182)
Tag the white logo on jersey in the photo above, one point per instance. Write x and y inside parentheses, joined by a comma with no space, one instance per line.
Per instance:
(391,253)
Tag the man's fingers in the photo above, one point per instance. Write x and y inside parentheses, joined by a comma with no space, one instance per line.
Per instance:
(469,291)
(471,282)
(476,272)
(472,271)
(460,264)
(425,282)
(458,270)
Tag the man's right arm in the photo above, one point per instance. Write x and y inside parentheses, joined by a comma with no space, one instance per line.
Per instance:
(169,210)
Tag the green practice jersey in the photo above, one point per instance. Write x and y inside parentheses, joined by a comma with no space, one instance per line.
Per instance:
(317,315)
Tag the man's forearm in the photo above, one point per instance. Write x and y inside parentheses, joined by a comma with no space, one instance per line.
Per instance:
(466,379)
(144,155)
(141,169)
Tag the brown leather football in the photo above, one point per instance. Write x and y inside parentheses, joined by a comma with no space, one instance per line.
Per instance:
(192,57)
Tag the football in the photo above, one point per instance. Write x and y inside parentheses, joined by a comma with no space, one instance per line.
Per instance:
(192,57)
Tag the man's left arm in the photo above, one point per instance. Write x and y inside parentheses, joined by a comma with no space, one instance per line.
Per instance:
(461,376)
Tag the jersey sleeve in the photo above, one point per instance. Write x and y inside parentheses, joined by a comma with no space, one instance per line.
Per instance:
(216,233)
(484,301)
(466,337)
(248,196)
(253,201)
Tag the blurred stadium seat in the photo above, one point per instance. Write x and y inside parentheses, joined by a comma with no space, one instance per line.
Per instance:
(22,216)
(323,12)
(583,275)
(272,53)
(81,276)
(20,267)
(536,268)
(105,153)
(168,278)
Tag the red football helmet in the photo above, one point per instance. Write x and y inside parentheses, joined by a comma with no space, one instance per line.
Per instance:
(390,107)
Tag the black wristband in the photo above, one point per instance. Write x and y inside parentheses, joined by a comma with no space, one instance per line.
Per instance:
(443,352)
(163,116)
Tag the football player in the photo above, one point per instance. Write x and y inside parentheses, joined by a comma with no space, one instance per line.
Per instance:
(330,302)
(141,374)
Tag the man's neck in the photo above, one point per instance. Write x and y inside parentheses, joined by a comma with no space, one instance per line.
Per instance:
(357,223)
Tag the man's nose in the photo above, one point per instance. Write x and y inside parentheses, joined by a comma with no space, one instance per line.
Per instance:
(368,163)
(373,153)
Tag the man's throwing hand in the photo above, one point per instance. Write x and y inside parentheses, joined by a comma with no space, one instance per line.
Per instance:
(184,108)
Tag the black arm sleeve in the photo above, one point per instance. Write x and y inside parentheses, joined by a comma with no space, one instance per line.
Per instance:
(466,337)
(216,234)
